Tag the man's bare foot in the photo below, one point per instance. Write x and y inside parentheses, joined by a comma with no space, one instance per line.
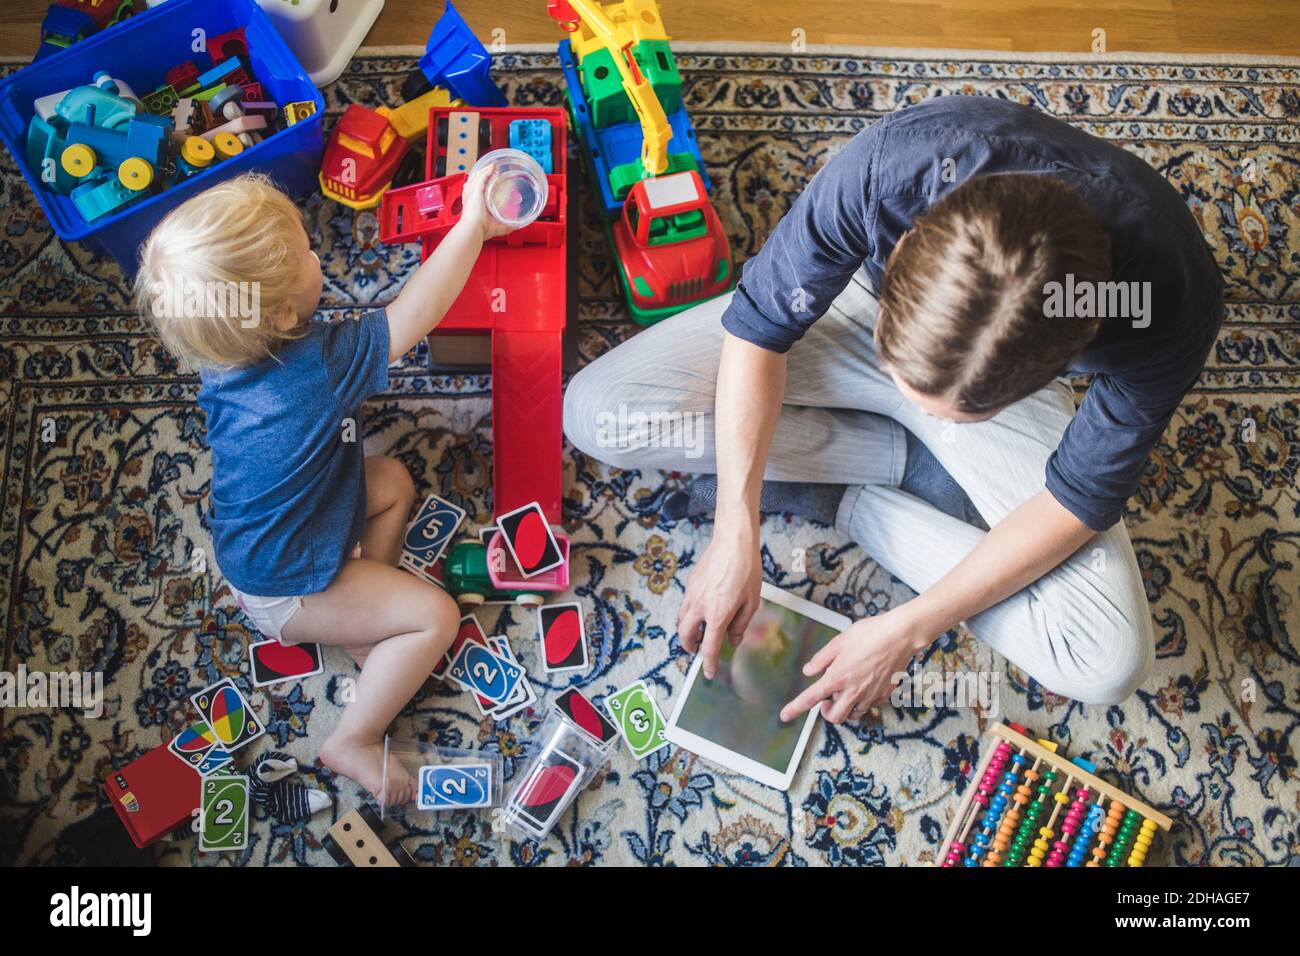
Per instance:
(364,763)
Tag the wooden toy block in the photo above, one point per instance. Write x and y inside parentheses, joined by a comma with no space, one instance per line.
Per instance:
(462,141)
(354,841)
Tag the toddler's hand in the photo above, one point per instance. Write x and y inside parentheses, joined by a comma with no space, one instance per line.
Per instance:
(474,205)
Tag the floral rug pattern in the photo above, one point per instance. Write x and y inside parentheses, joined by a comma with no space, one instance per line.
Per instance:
(101,529)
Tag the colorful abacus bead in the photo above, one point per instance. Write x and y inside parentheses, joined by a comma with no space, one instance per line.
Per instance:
(1080,847)
(1024,836)
(1124,839)
(1069,827)
(954,854)
(1142,843)
(1109,827)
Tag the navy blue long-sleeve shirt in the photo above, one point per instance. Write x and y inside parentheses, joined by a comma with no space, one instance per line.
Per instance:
(858,206)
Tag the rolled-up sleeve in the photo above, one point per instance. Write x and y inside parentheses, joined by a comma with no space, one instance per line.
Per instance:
(811,255)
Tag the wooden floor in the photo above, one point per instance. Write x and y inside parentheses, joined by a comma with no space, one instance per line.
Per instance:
(1261,27)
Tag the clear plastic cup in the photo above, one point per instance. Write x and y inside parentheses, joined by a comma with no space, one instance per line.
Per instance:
(515,192)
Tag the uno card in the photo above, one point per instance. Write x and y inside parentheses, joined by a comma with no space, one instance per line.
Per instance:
(530,540)
(563,636)
(232,720)
(193,744)
(427,536)
(470,630)
(271,662)
(524,695)
(217,760)
(546,792)
(638,719)
(480,671)
(577,708)
(455,786)
(223,813)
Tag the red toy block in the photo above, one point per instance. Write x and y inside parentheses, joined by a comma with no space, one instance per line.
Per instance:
(253,92)
(226,45)
(182,76)
(153,794)
(517,294)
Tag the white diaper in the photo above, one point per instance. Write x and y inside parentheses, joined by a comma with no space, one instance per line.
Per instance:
(269,614)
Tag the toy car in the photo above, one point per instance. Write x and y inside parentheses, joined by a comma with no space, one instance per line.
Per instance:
(361,157)
(70,21)
(470,582)
(670,246)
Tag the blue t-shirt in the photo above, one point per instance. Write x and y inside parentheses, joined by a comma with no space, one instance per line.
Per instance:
(288,498)
(861,202)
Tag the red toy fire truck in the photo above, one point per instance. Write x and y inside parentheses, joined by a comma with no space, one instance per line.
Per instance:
(516,293)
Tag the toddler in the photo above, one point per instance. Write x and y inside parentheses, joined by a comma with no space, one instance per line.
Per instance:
(306,528)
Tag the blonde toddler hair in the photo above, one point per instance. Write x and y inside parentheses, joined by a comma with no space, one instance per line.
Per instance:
(218,270)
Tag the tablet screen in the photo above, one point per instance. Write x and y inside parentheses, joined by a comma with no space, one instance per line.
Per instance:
(739,709)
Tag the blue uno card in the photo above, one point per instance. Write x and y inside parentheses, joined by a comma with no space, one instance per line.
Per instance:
(480,671)
(214,760)
(455,786)
(428,535)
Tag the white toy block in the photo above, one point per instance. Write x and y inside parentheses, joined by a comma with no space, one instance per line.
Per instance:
(323,34)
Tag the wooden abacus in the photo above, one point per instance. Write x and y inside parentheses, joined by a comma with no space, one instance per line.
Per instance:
(1100,820)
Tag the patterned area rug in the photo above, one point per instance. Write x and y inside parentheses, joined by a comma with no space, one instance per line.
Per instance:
(101,526)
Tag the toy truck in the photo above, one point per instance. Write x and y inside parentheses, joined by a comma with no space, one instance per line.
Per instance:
(516,293)
(473,578)
(70,21)
(623,94)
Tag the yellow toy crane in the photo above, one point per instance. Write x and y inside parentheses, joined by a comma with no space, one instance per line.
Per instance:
(619,34)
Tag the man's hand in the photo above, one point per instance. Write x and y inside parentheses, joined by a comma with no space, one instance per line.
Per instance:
(722,594)
(860,664)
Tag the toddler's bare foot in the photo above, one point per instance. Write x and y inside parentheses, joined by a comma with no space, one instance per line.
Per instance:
(364,762)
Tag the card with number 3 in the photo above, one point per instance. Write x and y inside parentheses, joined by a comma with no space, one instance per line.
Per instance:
(638,719)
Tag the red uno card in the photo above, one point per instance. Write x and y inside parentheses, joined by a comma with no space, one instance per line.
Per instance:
(530,540)
(563,636)
(573,705)
(271,662)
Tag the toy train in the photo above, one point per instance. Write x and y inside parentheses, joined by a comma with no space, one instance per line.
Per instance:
(1002,822)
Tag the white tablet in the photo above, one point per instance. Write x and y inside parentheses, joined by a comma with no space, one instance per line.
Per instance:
(734,720)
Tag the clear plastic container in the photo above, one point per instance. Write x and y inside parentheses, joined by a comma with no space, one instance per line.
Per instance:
(446,779)
(565,760)
(516,188)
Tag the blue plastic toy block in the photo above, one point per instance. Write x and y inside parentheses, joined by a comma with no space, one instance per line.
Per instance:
(102,196)
(620,143)
(219,72)
(455,60)
(533,136)
(44,147)
(95,106)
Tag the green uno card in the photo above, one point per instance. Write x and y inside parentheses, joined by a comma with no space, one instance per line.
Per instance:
(637,717)
(224,813)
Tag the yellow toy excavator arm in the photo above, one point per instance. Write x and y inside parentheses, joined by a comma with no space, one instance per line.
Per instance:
(619,40)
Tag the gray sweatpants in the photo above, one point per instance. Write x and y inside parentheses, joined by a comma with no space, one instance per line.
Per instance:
(1083,630)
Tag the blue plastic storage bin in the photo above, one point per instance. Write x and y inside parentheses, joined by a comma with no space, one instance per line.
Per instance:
(140,51)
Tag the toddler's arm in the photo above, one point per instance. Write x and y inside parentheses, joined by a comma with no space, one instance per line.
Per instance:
(429,293)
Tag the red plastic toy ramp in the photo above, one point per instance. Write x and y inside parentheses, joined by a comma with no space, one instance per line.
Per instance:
(527,421)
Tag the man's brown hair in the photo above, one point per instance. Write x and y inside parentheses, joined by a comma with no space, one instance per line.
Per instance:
(961,304)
